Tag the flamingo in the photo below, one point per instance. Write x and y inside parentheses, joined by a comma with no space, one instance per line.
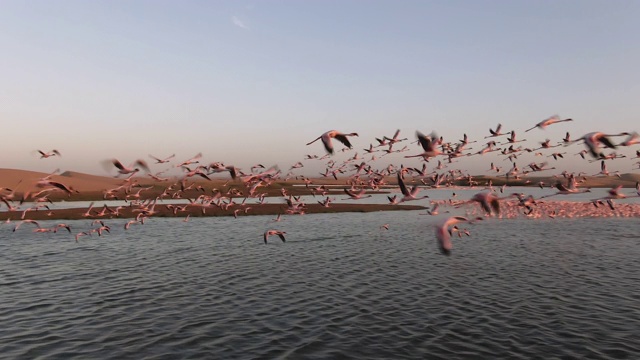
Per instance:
(355,195)
(408,194)
(465,140)
(394,139)
(193,160)
(370,149)
(68,227)
(274,232)
(512,138)
(444,235)
(84,233)
(218,167)
(570,188)
(593,140)
(429,145)
(433,211)
(603,169)
(162,161)
(124,170)
(28,221)
(335,134)
(496,132)
(44,155)
(548,121)
(59,185)
(489,202)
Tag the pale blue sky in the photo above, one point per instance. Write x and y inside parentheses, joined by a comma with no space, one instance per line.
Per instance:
(249,82)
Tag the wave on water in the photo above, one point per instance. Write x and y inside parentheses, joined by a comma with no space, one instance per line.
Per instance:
(520,290)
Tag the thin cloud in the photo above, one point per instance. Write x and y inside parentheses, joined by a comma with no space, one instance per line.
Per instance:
(237,22)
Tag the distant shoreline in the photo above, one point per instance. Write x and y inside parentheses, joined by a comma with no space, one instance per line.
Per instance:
(161,210)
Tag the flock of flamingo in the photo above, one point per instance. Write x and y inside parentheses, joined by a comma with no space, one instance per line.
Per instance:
(361,179)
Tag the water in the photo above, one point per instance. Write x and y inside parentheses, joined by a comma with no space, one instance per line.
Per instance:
(340,287)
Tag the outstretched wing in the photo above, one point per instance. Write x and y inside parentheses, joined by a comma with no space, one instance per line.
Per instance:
(118,164)
(343,139)
(143,164)
(403,187)
(606,142)
(425,141)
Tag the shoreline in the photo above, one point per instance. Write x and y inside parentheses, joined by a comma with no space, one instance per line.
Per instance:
(195,211)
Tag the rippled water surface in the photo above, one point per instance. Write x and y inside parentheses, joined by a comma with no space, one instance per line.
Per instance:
(340,287)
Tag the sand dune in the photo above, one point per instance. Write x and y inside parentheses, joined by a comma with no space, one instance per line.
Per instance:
(24,180)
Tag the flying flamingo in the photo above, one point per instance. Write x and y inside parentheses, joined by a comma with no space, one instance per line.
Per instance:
(593,140)
(162,161)
(124,170)
(408,194)
(355,195)
(395,139)
(84,233)
(327,136)
(274,232)
(496,132)
(548,121)
(193,160)
(512,138)
(429,145)
(443,233)
(61,186)
(26,221)
(570,188)
(44,155)
(489,202)
(465,140)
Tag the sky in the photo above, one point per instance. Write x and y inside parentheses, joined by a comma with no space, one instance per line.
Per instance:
(253,82)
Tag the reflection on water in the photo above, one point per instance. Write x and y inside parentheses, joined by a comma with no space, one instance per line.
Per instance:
(340,287)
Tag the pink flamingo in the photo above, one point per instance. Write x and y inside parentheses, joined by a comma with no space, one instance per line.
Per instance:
(124,170)
(443,233)
(408,194)
(548,121)
(274,232)
(162,161)
(44,155)
(333,134)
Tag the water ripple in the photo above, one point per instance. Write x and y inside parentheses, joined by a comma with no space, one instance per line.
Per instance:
(339,288)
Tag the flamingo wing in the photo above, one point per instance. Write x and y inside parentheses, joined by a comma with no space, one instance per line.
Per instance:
(343,139)
(403,187)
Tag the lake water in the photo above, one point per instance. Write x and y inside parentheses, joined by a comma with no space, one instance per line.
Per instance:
(340,287)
